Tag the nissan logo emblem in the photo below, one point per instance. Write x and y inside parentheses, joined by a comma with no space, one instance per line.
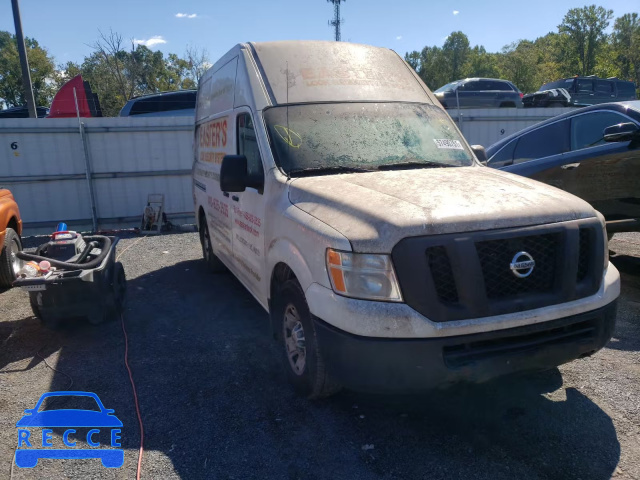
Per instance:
(522,264)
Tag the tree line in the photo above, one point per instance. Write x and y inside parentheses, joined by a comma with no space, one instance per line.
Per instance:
(116,70)
(580,46)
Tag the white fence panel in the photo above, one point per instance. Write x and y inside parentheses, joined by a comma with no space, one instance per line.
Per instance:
(43,162)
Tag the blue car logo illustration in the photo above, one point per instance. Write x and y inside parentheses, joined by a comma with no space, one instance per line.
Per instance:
(27,457)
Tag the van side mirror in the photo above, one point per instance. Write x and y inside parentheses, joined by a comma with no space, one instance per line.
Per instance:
(620,132)
(233,173)
(480,153)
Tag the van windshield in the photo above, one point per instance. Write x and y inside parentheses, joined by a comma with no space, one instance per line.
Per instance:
(363,136)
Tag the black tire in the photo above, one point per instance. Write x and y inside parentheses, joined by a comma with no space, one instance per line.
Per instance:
(214,264)
(507,105)
(310,378)
(49,322)
(119,288)
(8,265)
(115,298)
(34,306)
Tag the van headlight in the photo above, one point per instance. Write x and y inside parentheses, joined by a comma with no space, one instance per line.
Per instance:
(363,275)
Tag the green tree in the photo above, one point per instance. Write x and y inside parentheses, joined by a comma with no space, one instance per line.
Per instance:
(626,46)
(437,66)
(430,65)
(549,67)
(117,73)
(585,34)
(413,59)
(481,64)
(456,52)
(605,65)
(518,64)
(41,66)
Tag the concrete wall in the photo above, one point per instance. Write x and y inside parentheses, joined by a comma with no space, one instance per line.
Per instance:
(44,162)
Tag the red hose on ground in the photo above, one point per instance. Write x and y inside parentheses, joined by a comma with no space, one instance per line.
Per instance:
(126,363)
(135,395)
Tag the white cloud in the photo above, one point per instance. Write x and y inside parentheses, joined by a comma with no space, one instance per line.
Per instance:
(150,42)
(399,37)
(186,15)
(455,12)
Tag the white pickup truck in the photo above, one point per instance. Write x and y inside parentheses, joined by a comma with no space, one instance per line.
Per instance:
(330,181)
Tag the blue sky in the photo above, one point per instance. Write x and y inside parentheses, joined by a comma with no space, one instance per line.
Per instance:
(67,27)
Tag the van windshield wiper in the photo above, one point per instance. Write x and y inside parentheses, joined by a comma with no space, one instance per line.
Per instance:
(310,172)
(409,165)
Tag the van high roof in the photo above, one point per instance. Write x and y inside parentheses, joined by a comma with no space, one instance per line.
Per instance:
(321,71)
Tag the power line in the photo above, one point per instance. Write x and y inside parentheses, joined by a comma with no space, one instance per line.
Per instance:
(337,21)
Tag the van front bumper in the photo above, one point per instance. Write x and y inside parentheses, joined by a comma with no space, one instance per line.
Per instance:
(402,365)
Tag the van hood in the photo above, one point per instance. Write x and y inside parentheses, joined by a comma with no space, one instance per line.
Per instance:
(376,210)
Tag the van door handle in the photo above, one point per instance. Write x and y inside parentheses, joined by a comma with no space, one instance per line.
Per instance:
(226,194)
(570,166)
(235,198)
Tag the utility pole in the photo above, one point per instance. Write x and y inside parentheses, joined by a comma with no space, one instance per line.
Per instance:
(24,63)
(337,21)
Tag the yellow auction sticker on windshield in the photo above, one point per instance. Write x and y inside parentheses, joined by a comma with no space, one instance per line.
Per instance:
(446,143)
(290,137)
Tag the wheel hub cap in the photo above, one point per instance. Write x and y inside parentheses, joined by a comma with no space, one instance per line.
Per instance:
(206,244)
(16,263)
(294,339)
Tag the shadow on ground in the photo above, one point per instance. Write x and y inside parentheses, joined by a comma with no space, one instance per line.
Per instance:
(627,264)
(215,403)
(627,334)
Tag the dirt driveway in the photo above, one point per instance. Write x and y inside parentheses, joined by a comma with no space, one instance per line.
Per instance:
(215,403)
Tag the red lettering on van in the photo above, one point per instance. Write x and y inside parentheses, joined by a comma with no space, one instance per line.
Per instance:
(213,134)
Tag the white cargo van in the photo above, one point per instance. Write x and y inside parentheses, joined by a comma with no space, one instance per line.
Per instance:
(331,182)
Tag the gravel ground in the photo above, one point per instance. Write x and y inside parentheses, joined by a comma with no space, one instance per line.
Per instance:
(215,403)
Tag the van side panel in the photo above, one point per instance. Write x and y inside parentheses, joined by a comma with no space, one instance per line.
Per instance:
(214,138)
(216,94)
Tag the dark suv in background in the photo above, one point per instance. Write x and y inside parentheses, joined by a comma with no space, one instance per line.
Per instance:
(180,103)
(581,91)
(22,112)
(479,93)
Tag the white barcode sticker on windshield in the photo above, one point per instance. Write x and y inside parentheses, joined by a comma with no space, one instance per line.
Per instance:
(446,143)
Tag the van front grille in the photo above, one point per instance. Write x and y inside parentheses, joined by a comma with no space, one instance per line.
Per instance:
(584,254)
(460,276)
(442,274)
(496,257)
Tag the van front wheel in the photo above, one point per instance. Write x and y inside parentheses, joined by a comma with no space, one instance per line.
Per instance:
(302,358)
